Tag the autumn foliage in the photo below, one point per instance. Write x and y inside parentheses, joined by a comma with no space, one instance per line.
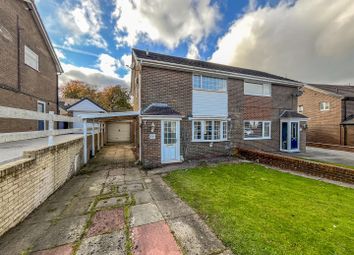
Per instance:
(113,98)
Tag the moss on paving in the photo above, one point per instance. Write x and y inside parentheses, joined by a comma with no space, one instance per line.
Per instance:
(257,210)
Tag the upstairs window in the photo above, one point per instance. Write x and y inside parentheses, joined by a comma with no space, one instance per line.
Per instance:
(31,58)
(256,130)
(209,83)
(324,106)
(255,89)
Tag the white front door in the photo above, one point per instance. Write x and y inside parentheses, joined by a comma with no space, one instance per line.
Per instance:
(170,141)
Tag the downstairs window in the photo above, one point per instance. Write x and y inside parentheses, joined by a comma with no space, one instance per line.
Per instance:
(209,130)
(256,130)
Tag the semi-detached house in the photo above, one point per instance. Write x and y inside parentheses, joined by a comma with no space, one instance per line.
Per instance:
(190,109)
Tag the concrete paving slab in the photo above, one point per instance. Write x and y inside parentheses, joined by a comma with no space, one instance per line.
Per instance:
(107,244)
(145,214)
(106,221)
(155,239)
(110,202)
(117,171)
(22,237)
(134,187)
(161,192)
(67,230)
(142,197)
(194,236)
(174,208)
(78,206)
(46,212)
(115,180)
(60,250)
(90,191)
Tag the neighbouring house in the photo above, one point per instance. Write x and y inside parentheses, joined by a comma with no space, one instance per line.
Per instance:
(29,67)
(190,109)
(330,109)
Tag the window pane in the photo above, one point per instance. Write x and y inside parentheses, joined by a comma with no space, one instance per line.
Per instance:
(253,129)
(197,130)
(257,89)
(196,81)
(217,130)
(31,58)
(267,89)
(224,130)
(266,129)
(209,83)
(208,134)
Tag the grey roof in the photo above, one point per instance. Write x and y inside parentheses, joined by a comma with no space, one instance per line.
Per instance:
(204,64)
(349,120)
(292,114)
(160,109)
(340,90)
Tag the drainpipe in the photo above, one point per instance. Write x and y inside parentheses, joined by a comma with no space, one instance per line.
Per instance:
(18,53)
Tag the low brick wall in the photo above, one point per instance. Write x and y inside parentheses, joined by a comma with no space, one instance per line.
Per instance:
(332,146)
(28,182)
(323,170)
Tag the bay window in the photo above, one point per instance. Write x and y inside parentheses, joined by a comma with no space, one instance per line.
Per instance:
(256,130)
(209,130)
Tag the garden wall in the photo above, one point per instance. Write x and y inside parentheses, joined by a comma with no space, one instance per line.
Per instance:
(28,182)
(323,170)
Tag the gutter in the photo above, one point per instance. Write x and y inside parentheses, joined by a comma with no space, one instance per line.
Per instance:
(217,72)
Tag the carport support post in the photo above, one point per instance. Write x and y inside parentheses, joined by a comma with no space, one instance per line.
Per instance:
(85,141)
(51,129)
(100,135)
(93,138)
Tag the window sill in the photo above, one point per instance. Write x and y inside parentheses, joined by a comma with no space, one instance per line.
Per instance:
(209,141)
(257,95)
(261,138)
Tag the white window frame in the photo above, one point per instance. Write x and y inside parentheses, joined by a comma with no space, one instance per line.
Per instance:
(203,125)
(30,55)
(263,94)
(325,106)
(223,90)
(300,108)
(45,111)
(263,137)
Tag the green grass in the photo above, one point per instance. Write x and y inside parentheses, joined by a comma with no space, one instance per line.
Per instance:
(257,210)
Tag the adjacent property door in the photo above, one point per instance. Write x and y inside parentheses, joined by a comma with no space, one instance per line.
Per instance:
(170,141)
(118,132)
(41,108)
(290,136)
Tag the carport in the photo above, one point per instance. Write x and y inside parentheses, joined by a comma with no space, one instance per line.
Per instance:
(118,127)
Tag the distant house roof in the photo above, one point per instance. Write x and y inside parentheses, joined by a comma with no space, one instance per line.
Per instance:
(152,56)
(160,109)
(38,20)
(340,90)
(95,107)
(349,120)
(287,114)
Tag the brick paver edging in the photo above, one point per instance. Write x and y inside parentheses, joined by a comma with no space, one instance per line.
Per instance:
(322,170)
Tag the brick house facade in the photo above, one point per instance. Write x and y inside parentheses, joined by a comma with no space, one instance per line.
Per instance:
(21,85)
(171,89)
(330,109)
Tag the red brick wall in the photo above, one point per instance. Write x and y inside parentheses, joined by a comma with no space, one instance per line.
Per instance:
(22,87)
(323,126)
(328,171)
(151,149)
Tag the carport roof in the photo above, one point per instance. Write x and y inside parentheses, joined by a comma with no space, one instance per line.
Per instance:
(110,115)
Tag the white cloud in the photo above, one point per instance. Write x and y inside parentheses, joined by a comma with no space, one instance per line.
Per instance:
(83,21)
(193,52)
(164,21)
(59,53)
(90,76)
(108,65)
(306,40)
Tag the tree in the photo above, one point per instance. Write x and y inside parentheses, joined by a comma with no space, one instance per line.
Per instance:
(77,90)
(113,98)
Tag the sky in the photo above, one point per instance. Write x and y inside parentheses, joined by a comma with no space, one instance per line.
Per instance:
(309,41)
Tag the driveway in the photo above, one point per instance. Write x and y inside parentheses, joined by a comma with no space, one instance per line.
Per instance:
(331,156)
(113,208)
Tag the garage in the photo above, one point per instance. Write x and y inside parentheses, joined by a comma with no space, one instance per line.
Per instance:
(118,132)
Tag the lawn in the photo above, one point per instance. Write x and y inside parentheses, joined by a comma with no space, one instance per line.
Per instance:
(258,210)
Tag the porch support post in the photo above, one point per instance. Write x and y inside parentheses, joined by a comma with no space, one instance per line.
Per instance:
(93,138)
(85,141)
(102,133)
(51,129)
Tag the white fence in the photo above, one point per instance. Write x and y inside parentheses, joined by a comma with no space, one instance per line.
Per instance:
(15,113)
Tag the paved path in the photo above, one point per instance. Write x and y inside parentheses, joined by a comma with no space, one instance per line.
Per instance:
(112,208)
(14,150)
(332,156)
